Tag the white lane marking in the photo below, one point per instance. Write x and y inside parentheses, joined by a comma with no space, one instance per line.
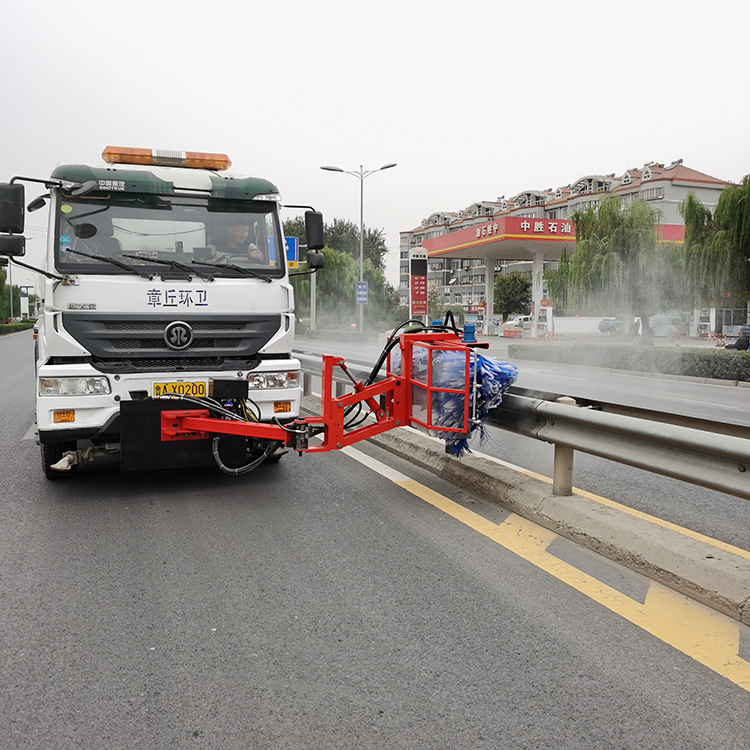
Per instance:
(377,466)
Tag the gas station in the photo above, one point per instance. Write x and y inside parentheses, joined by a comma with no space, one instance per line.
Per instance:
(511,238)
(518,238)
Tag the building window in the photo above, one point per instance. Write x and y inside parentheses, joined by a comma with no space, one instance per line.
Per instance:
(652,194)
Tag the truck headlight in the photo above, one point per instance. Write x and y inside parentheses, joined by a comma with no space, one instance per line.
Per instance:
(73,386)
(264,380)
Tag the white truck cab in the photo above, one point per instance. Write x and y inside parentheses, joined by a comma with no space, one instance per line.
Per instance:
(164,276)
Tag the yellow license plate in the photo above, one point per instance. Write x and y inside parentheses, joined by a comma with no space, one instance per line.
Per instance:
(181,388)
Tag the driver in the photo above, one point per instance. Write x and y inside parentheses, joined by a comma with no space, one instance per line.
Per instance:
(236,244)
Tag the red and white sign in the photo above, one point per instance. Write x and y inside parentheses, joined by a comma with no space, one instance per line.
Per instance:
(418,282)
(513,224)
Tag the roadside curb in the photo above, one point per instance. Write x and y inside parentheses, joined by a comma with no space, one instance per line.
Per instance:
(710,573)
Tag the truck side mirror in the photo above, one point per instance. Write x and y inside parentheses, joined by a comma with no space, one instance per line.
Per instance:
(314,230)
(315,260)
(37,203)
(11,208)
(12,244)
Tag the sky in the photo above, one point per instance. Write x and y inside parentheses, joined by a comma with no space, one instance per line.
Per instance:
(471,102)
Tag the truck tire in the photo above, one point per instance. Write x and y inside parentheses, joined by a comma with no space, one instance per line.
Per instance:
(52,453)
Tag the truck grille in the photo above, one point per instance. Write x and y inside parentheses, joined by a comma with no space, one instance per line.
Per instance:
(119,343)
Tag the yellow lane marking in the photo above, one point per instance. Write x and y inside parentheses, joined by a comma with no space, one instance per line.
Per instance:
(630,511)
(709,637)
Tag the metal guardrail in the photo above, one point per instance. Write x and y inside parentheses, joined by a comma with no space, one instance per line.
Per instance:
(698,451)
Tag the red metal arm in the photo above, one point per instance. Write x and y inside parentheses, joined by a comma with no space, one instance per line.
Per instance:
(394,409)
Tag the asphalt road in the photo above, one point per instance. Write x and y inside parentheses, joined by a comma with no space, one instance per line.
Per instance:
(311,604)
(714,514)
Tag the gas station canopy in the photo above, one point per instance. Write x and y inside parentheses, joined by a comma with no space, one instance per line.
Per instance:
(506,238)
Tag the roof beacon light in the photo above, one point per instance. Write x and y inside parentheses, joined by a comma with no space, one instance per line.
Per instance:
(161,158)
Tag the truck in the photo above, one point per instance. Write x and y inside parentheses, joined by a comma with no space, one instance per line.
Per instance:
(164,277)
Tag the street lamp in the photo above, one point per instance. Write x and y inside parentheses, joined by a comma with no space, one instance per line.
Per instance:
(360,174)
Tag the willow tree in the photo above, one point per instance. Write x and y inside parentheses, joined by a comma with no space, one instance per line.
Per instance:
(717,247)
(617,266)
(335,293)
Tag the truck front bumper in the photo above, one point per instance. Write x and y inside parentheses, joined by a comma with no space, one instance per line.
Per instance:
(96,416)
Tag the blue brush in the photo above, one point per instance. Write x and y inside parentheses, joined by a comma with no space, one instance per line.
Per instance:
(493,378)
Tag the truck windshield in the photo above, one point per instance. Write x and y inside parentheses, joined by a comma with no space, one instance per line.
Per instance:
(141,230)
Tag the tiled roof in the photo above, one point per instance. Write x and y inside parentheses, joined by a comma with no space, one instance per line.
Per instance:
(685,174)
(676,171)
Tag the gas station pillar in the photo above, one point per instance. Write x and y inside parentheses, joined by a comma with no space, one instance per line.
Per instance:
(537,270)
(489,297)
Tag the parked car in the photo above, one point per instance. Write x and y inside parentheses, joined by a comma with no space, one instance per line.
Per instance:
(610,325)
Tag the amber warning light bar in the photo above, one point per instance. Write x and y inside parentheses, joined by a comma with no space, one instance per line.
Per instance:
(161,158)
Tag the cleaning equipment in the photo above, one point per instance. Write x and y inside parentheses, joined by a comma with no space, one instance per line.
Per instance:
(434,380)
(443,408)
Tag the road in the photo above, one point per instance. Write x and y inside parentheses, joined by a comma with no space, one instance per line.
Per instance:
(316,603)
(715,514)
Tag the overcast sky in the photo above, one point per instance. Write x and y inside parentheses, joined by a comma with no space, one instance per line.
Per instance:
(473,101)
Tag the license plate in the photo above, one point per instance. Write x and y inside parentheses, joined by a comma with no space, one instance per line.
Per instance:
(181,388)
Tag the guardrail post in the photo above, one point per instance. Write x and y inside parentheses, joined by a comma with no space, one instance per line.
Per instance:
(306,384)
(340,389)
(562,479)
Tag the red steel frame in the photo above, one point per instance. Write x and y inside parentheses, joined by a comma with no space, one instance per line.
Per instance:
(432,343)
(393,410)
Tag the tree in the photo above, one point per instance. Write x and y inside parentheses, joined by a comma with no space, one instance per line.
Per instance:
(343,236)
(336,302)
(617,266)
(512,294)
(335,293)
(717,247)
(5,292)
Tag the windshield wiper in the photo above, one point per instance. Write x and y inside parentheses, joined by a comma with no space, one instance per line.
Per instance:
(240,269)
(114,262)
(171,264)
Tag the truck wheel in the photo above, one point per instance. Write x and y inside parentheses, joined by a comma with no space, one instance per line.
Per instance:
(275,457)
(52,453)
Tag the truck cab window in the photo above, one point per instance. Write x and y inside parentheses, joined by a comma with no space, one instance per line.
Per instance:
(166,228)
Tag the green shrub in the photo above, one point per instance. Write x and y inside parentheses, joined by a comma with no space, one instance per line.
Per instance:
(718,364)
(13,327)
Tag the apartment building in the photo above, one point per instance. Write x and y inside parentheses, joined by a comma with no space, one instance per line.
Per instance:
(463,270)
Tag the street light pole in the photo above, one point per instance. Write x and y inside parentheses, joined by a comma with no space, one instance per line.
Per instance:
(362,247)
(10,286)
(360,175)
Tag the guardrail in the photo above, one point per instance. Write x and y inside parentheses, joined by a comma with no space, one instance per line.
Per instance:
(698,451)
